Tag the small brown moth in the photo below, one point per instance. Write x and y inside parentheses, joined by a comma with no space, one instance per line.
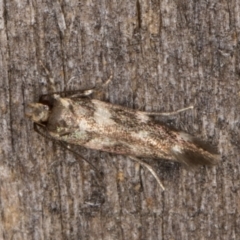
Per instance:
(94,124)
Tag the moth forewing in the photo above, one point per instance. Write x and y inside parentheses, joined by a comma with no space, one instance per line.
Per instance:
(99,125)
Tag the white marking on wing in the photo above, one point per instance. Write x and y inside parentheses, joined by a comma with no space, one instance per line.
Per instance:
(102,116)
(177,149)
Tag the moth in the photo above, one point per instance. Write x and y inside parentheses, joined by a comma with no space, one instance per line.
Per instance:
(82,120)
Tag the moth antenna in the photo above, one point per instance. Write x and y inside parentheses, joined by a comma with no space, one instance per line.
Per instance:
(76,93)
(167,113)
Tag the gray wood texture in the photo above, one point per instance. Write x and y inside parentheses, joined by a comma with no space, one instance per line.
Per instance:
(164,55)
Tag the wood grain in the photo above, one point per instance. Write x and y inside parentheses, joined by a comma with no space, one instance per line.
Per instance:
(164,55)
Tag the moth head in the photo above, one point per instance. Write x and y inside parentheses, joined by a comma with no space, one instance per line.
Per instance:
(38,112)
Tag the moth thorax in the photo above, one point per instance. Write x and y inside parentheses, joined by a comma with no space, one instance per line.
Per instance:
(38,112)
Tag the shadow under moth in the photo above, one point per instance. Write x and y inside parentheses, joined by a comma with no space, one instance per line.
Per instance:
(82,120)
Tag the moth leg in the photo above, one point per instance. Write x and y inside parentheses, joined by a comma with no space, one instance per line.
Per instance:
(65,146)
(51,85)
(88,92)
(150,170)
(36,127)
(167,113)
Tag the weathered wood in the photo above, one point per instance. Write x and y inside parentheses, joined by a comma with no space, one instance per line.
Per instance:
(164,55)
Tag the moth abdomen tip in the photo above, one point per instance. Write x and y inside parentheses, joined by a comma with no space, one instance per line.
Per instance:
(192,155)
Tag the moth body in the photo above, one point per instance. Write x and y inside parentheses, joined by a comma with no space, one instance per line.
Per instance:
(103,126)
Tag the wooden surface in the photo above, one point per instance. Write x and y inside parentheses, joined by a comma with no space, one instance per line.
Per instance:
(164,55)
